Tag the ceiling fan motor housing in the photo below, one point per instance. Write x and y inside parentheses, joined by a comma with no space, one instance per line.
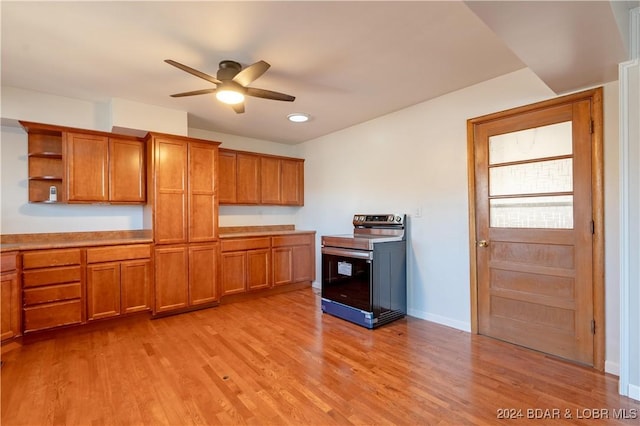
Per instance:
(228,70)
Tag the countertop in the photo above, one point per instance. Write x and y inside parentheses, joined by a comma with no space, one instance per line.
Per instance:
(23,242)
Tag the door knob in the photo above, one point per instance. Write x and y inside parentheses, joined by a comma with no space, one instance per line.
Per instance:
(483,243)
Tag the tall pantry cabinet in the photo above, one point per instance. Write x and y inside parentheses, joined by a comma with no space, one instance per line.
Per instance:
(182,210)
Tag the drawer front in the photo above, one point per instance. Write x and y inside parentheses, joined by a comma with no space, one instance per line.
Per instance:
(52,315)
(292,240)
(245,244)
(116,253)
(50,258)
(48,276)
(8,263)
(51,293)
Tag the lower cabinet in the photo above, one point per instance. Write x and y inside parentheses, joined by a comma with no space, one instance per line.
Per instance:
(118,280)
(185,275)
(52,282)
(293,258)
(9,297)
(246,264)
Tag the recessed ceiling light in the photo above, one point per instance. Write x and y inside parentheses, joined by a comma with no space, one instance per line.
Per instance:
(298,117)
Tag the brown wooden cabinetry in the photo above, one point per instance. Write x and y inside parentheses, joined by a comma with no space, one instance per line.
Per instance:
(52,283)
(118,280)
(9,297)
(293,258)
(84,166)
(245,264)
(250,178)
(184,212)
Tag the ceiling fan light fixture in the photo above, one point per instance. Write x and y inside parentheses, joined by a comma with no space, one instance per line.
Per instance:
(230,97)
(298,117)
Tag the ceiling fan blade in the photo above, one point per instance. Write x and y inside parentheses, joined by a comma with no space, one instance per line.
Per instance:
(195,92)
(238,108)
(193,71)
(268,94)
(251,73)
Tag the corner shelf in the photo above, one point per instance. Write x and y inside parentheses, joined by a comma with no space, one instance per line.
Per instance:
(45,162)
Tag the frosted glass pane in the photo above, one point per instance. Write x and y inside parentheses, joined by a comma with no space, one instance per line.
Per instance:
(541,142)
(532,212)
(532,178)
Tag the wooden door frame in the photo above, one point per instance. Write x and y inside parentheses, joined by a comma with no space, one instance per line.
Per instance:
(597,194)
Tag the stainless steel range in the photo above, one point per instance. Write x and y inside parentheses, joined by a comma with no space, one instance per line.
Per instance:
(364,278)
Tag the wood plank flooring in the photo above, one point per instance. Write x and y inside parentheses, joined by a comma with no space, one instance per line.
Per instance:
(278,361)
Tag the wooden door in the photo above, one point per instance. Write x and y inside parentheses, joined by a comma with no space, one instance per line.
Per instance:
(292,185)
(282,265)
(170,212)
(9,305)
(534,226)
(203,274)
(258,269)
(86,158)
(234,272)
(126,171)
(303,263)
(103,290)
(227,177)
(135,285)
(171,278)
(203,206)
(270,180)
(248,178)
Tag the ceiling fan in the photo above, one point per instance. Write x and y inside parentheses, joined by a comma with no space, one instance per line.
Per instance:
(231,83)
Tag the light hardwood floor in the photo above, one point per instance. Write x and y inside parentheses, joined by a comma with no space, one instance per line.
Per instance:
(279,360)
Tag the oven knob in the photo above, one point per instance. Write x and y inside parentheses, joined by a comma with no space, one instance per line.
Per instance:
(398,219)
(390,218)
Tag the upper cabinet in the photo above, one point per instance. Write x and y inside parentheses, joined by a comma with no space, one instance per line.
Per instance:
(84,166)
(250,178)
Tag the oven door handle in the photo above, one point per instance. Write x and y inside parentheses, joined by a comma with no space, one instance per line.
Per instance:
(367,255)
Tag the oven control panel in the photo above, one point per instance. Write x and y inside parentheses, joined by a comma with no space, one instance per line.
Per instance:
(378,219)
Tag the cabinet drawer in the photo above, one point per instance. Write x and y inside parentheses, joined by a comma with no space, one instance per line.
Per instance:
(48,276)
(245,244)
(52,315)
(8,262)
(51,293)
(49,258)
(292,240)
(116,253)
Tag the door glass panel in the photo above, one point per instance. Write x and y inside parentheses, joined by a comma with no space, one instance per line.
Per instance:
(532,178)
(532,212)
(541,142)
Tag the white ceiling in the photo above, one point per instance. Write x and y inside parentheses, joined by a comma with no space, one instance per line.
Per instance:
(346,62)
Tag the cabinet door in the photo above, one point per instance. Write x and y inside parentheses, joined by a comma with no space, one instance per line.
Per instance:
(103,290)
(126,171)
(292,182)
(86,158)
(234,272)
(170,213)
(282,265)
(10,305)
(303,262)
(203,207)
(270,180)
(135,285)
(258,269)
(203,274)
(227,177)
(248,178)
(171,278)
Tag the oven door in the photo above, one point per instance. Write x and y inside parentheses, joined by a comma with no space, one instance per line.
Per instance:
(346,277)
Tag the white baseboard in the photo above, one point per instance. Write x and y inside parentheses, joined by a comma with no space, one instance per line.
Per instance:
(612,368)
(634,392)
(438,319)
